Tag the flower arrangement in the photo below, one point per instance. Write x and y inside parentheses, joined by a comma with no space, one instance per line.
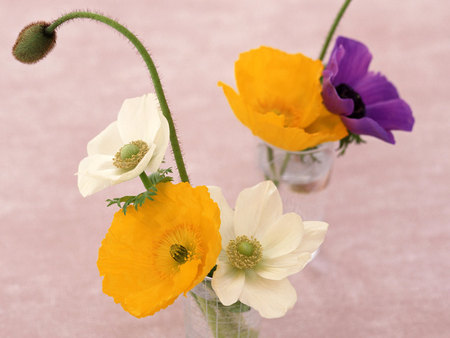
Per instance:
(294,103)
(166,240)
(172,237)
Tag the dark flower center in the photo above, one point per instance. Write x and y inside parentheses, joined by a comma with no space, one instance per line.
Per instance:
(346,92)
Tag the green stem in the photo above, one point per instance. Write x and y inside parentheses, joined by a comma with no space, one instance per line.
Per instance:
(144,178)
(153,73)
(287,157)
(270,158)
(333,29)
(321,57)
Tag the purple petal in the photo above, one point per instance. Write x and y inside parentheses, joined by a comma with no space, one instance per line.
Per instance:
(367,126)
(374,87)
(393,114)
(331,99)
(353,59)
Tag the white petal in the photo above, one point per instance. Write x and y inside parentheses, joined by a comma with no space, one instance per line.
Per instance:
(313,237)
(228,282)
(282,267)
(88,183)
(283,236)
(108,142)
(256,209)
(139,119)
(226,215)
(271,298)
(161,142)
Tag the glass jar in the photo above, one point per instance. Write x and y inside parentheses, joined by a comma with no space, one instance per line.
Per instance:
(205,316)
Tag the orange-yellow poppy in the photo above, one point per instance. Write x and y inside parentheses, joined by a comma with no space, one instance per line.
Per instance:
(279,99)
(152,255)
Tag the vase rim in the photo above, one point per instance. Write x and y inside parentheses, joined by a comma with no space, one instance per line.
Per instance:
(319,147)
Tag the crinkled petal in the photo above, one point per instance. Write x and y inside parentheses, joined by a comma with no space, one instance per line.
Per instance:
(258,86)
(257,208)
(139,119)
(392,115)
(283,236)
(374,88)
(108,142)
(158,296)
(226,215)
(368,126)
(228,283)
(313,237)
(98,172)
(271,298)
(353,59)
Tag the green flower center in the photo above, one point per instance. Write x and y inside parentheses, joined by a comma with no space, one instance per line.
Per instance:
(244,252)
(179,253)
(130,155)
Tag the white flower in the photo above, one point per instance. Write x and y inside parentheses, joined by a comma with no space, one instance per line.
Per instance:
(137,141)
(261,247)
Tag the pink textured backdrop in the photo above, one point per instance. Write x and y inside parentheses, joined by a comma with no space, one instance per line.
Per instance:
(384,268)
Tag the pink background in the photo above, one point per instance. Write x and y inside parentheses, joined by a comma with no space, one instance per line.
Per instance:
(384,268)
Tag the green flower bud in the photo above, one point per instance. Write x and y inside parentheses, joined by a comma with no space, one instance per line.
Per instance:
(33,43)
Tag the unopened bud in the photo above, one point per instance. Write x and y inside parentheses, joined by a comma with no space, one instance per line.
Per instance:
(34,43)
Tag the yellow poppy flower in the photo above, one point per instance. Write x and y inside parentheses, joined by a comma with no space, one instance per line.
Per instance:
(279,99)
(152,255)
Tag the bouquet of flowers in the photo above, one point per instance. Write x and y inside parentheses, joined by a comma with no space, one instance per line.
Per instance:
(174,238)
(170,238)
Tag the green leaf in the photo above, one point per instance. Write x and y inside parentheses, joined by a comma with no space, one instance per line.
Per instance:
(346,141)
(160,176)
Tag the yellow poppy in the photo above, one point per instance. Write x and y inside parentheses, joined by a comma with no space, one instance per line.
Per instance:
(152,255)
(279,99)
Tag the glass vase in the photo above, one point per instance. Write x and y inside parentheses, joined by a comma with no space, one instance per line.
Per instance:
(205,316)
(301,177)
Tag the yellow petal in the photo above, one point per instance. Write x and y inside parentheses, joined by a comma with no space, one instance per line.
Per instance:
(135,257)
(280,100)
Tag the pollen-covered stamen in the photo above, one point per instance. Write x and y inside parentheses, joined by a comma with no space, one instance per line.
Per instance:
(130,155)
(244,252)
(179,253)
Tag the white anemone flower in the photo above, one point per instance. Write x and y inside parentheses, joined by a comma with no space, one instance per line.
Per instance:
(136,142)
(261,247)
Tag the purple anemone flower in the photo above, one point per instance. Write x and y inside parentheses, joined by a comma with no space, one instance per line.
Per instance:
(366,101)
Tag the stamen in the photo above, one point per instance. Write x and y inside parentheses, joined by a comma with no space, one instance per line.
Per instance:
(244,252)
(130,155)
(179,253)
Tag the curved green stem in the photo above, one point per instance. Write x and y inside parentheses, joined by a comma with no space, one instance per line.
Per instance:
(153,73)
(333,29)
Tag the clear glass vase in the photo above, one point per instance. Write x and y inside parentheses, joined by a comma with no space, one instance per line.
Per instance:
(205,316)
(301,177)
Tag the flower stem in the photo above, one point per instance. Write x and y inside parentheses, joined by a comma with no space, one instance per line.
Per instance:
(270,158)
(153,73)
(144,178)
(333,29)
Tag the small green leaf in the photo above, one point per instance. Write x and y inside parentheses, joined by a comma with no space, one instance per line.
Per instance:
(160,176)
(346,141)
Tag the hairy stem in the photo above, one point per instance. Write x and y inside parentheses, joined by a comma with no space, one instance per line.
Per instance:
(153,73)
